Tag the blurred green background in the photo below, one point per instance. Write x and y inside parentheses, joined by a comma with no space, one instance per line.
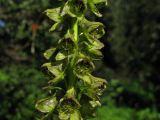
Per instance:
(131,62)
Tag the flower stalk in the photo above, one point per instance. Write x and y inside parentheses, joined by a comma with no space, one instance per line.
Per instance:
(74,91)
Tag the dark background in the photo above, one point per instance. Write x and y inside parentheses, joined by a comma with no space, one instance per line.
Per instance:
(131,62)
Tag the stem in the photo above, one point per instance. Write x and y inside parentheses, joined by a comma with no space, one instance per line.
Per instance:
(76,49)
(71,76)
(75,28)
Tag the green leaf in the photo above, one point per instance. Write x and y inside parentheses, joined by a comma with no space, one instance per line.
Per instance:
(48,53)
(46,105)
(54,14)
(60,56)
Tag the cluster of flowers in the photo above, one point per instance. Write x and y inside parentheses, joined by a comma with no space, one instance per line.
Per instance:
(74,91)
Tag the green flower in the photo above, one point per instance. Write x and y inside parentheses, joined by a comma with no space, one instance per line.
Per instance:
(75,92)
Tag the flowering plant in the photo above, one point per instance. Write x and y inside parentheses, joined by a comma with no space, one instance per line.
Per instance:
(75,92)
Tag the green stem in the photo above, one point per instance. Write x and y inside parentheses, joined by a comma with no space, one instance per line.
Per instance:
(71,76)
(76,49)
(75,28)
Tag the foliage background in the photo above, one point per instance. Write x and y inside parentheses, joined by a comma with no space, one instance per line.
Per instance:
(130,64)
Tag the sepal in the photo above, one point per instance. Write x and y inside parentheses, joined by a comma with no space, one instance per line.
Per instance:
(48,53)
(46,105)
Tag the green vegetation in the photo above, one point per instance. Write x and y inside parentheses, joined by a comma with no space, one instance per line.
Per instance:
(130,63)
(19,89)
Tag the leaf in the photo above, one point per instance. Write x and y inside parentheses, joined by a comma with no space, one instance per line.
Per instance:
(48,53)
(54,14)
(46,105)
(60,56)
